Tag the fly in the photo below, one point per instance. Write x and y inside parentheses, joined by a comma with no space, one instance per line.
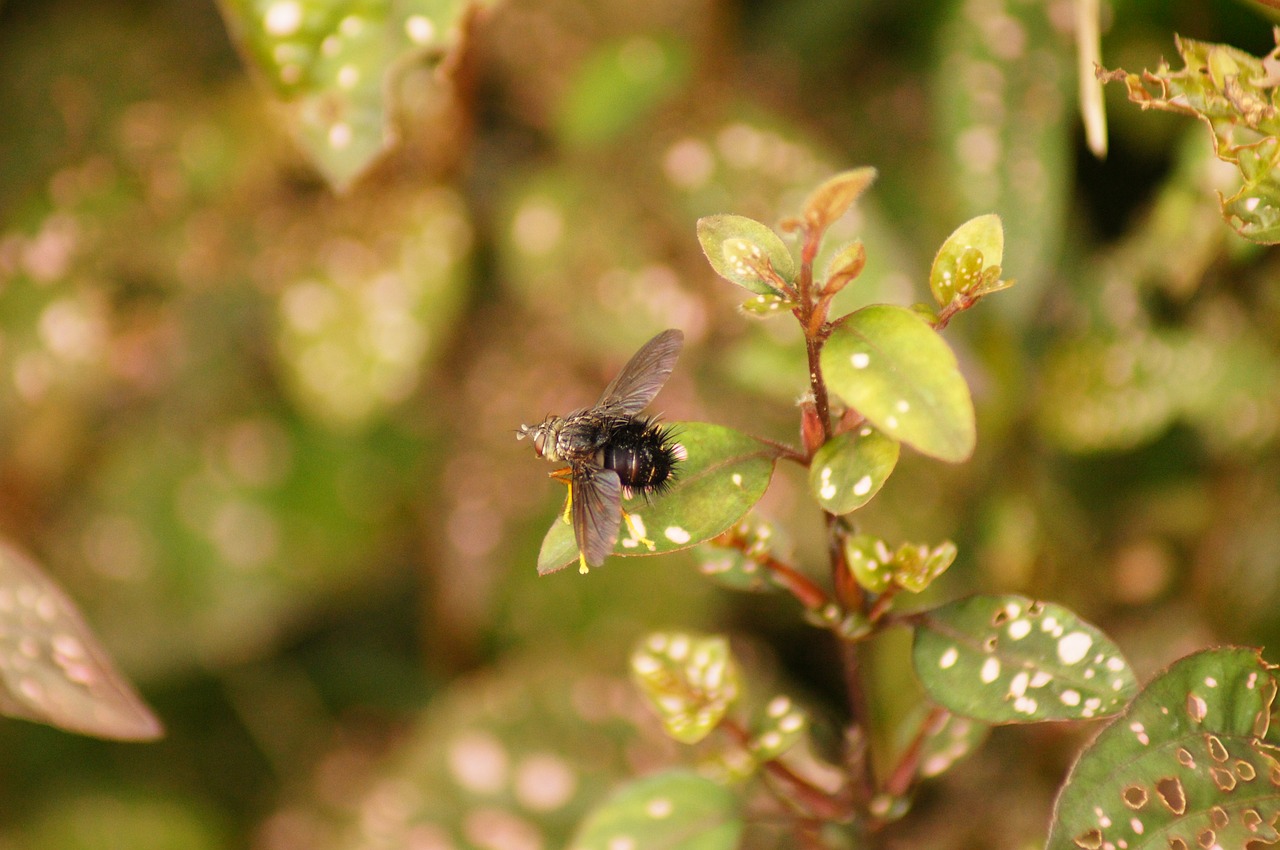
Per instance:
(611,450)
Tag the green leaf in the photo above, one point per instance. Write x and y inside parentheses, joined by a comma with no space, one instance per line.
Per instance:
(618,85)
(916,565)
(332,64)
(52,669)
(976,245)
(689,680)
(767,306)
(834,197)
(723,474)
(676,810)
(845,266)
(778,728)
(888,364)
(870,561)
(850,469)
(1007,659)
(738,567)
(1186,765)
(743,250)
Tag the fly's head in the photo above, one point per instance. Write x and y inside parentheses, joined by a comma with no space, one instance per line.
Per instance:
(544,437)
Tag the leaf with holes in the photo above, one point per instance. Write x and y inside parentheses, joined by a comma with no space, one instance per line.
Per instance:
(1186,765)
(723,474)
(851,468)
(887,363)
(52,669)
(676,810)
(332,65)
(745,252)
(1008,659)
(689,680)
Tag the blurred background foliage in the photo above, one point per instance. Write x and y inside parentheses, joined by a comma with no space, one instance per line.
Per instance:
(263,433)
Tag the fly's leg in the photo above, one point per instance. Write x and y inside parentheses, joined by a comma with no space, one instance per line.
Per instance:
(636,526)
(565,477)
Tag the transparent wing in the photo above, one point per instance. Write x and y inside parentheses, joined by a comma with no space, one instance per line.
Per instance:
(52,669)
(597,512)
(645,373)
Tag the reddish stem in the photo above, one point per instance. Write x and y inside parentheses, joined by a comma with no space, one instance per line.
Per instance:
(816,802)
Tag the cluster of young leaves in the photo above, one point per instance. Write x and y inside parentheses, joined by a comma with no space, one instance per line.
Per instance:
(1234,94)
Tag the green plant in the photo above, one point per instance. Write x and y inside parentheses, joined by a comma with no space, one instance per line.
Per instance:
(1187,761)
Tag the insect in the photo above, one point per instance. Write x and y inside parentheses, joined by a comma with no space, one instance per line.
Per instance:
(611,450)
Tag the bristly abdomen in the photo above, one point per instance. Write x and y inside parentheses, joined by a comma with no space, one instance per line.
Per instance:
(643,454)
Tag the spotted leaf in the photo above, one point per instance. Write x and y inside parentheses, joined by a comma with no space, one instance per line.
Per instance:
(851,468)
(960,265)
(724,473)
(888,364)
(746,252)
(676,810)
(945,738)
(52,669)
(331,65)
(689,680)
(1008,659)
(737,565)
(1186,764)
(778,727)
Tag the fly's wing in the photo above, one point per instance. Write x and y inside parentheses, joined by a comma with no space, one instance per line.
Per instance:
(645,373)
(597,512)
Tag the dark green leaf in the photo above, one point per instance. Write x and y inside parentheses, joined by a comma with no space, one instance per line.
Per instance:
(1186,765)
(1007,659)
(851,468)
(887,363)
(724,473)
(689,680)
(677,810)
(743,251)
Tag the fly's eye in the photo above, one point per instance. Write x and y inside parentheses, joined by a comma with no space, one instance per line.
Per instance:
(539,439)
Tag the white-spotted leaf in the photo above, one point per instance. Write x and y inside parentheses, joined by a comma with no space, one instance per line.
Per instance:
(724,473)
(1008,659)
(779,726)
(689,680)
(676,810)
(742,250)
(851,468)
(976,245)
(887,363)
(738,566)
(52,669)
(1188,764)
(333,65)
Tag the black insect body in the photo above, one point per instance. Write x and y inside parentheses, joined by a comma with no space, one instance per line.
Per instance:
(611,450)
(641,452)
